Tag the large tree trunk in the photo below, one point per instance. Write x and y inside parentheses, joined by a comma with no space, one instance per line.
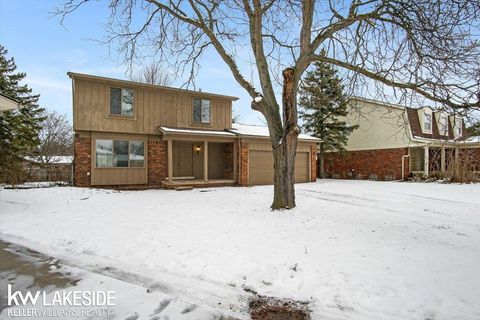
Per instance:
(284,151)
(321,160)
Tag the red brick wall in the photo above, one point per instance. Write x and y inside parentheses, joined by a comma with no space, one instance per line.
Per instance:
(82,164)
(157,162)
(243,164)
(381,162)
(470,158)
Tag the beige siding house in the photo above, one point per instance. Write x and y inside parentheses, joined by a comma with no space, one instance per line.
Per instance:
(394,141)
(7,103)
(130,134)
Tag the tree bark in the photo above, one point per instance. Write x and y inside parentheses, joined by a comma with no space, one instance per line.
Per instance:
(284,151)
(321,159)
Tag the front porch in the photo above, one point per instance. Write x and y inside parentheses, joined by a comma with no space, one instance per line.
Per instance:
(433,160)
(197,183)
(200,161)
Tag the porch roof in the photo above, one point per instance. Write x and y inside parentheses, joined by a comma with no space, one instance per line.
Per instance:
(471,142)
(195,132)
(238,130)
(249,130)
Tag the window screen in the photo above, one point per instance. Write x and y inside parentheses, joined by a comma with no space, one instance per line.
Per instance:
(201,111)
(119,153)
(121,102)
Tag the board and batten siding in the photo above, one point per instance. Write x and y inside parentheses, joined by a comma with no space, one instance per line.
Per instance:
(153,107)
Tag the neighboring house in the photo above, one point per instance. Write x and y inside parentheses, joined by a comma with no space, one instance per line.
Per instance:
(393,142)
(59,168)
(7,103)
(133,134)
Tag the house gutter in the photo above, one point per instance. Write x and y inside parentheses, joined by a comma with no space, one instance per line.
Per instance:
(403,165)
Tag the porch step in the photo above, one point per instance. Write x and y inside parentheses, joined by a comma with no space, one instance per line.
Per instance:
(183,188)
(183,178)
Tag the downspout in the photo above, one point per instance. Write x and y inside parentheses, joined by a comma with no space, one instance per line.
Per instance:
(403,165)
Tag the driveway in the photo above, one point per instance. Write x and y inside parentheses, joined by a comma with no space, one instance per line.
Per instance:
(30,271)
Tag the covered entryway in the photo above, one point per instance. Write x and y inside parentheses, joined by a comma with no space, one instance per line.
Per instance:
(260,167)
(189,157)
(199,158)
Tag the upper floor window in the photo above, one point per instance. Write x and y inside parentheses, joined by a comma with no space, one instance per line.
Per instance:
(443,124)
(121,102)
(201,111)
(427,124)
(458,127)
(119,153)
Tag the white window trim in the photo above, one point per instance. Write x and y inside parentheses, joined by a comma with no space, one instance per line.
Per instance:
(458,127)
(443,125)
(425,121)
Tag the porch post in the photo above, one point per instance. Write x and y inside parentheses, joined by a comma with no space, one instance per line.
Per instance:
(170,160)
(457,160)
(205,161)
(442,160)
(234,160)
(426,161)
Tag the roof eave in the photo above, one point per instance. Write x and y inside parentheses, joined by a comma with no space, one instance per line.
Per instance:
(75,75)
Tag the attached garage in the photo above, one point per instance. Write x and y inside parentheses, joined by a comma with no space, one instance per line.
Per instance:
(260,164)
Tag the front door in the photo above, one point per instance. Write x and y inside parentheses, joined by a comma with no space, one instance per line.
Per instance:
(182,159)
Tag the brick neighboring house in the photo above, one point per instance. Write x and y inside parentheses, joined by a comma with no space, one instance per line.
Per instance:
(394,142)
(136,135)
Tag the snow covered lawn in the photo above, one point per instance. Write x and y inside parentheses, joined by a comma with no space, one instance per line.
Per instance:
(354,249)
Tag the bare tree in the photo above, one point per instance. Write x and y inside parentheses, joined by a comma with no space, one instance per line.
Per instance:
(425,48)
(56,138)
(153,73)
(236,116)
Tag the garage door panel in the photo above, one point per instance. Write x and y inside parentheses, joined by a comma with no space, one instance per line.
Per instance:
(301,167)
(261,167)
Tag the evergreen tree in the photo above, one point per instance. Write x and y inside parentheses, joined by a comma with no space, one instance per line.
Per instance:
(323,107)
(19,128)
(474,129)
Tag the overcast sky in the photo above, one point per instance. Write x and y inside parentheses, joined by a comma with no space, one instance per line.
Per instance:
(46,51)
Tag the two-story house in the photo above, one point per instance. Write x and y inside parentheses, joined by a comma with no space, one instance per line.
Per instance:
(394,141)
(130,134)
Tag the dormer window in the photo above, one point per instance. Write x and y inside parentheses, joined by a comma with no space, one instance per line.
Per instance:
(458,127)
(443,125)
(427,122)
(121,102)
(201,111)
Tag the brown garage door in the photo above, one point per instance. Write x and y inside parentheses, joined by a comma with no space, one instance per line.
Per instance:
(260,167)
(301,167)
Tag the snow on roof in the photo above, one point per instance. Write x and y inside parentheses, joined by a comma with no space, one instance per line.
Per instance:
(261,131)
(54,159)
(237,130)
(167,130)
(473,139)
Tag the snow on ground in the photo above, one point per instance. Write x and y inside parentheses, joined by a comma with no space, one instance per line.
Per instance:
(354,249)
(130,301)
